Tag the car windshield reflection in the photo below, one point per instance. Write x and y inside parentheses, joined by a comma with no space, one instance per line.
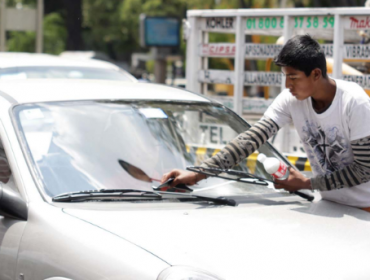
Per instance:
(77,146)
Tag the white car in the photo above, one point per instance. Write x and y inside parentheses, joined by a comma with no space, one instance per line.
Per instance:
(20,66)
(83,199)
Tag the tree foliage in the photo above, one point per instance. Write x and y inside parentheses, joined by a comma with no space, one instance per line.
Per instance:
(112,26)
(103,27)
(54,37)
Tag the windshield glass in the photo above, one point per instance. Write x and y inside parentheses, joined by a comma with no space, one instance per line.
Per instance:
(87,145)
(54,72)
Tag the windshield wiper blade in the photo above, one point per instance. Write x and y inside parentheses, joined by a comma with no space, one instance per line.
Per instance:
(105,193)
(215,172)
(217,200)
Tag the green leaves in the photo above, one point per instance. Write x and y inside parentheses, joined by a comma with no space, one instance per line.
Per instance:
(55,35)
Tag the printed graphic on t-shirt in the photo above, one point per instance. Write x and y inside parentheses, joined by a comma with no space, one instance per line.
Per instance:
(326,149)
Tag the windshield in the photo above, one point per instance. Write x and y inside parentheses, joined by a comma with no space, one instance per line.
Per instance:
(59,72)
(87,145)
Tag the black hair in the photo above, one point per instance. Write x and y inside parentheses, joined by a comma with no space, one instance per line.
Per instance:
(302,53)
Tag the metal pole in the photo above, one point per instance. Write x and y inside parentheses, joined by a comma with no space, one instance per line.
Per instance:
(285,131)
(239,65)
(205,40)
(338,47)
(287,34)
(39,26)
(193,61)
(2,25)
(160,66)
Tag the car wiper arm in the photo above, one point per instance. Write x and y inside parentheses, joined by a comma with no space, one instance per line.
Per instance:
(241,175)
(105,193)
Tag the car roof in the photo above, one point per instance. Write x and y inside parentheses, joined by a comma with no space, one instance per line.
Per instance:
(44,90)
(18,59)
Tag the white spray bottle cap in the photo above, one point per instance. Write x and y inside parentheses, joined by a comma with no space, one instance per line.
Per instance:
(261,157)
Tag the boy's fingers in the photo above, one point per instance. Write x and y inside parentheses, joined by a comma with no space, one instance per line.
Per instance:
(164,178)
(278,186)
(169,175)
(174,183)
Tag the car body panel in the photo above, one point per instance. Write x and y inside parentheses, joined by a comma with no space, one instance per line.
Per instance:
(251,241)
(54,241)
(66,90)
(10,238)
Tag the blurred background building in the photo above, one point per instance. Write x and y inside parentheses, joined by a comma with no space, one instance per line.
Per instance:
(109,30)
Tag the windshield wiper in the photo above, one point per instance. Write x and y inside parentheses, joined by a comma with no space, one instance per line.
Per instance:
(182,187)
(217,200)
(105,194)
(240,177)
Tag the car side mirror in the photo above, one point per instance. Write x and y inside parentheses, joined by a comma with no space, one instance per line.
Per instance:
(12,205)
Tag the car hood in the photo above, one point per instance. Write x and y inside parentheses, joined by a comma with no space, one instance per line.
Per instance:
(282,241)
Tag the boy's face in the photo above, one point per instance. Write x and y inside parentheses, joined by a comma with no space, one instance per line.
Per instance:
(298,83)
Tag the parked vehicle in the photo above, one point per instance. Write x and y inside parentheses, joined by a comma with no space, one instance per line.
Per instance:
(20,66)
(84,199)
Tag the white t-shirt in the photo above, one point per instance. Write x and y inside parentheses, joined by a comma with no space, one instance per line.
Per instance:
(326,137)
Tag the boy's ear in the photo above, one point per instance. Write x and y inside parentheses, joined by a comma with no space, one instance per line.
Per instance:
(316,73)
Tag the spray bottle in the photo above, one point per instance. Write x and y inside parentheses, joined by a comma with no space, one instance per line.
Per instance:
(273,166)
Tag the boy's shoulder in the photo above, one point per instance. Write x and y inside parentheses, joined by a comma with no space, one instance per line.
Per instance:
(351,91)
(348,87)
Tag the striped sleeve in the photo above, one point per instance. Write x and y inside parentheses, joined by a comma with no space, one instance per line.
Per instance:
(356,173)
(243,145)
(4,168)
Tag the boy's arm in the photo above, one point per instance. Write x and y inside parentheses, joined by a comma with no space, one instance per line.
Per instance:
(354,174)
(243,145)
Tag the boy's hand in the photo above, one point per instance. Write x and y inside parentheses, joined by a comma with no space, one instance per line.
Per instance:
(296,181)
(182,177)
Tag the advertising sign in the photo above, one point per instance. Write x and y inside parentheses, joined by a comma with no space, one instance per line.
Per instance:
(216,76)
(356,51)
(328,49)
(302,22)
(217,50)
(314,22)
(21,19)
(265,23)
(252,51)
(159,31)
(262,50)
(217,134)
(357,22)
(218,24)
(254,78)
(250,105)
(363,81)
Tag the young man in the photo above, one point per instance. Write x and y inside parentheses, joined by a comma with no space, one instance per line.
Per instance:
(331,119)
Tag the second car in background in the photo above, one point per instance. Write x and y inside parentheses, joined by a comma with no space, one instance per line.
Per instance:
(17,66)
